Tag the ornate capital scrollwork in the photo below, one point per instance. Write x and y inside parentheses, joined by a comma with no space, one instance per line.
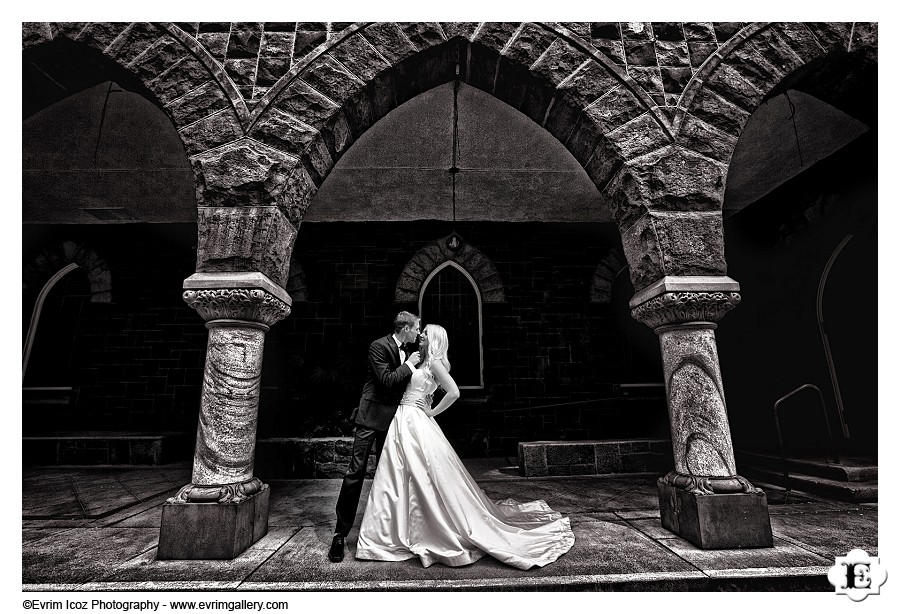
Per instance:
(226,493)
(253,304)
(682,307)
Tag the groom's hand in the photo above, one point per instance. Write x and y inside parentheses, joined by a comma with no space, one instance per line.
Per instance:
(413,360)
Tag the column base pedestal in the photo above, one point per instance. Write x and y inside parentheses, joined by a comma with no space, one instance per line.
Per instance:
(212,530)
(716,521)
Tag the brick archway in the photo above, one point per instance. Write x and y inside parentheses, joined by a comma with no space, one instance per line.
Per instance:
(437,253)
(40,267)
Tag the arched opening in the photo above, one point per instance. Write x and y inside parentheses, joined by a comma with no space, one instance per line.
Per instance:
(104,166)
(31,331)
(782,226)
(50,360)
(539,226)
(449,297)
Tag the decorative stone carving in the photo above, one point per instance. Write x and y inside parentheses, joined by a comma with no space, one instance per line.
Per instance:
(682,307)
(710,485)
(226,493)
(253,304)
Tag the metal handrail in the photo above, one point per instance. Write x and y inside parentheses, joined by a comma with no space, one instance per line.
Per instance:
(36,312)
(821,319)
(837,458)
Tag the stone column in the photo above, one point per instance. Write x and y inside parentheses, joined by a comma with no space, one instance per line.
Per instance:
(703,500)
(224,510)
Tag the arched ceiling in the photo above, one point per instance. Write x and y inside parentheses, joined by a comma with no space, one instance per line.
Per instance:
(104,154)
(510,169)
(786,135)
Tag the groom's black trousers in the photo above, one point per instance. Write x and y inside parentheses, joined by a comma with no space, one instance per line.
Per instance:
(348,500)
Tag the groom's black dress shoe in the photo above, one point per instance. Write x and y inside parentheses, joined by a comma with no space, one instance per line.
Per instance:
(336,553)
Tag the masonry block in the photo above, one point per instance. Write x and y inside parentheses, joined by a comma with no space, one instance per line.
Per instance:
(720,521)
(212,530)
(570,454)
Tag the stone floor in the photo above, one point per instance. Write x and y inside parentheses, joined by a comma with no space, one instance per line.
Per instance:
(97,530)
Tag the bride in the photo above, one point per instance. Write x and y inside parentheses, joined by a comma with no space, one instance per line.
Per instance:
(424,503)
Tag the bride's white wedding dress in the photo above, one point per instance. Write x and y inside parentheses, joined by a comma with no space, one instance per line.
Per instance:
(424,503)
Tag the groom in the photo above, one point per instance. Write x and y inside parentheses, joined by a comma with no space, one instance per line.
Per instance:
(389,370)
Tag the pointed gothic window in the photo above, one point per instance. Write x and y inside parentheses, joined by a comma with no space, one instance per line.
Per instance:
(450,297)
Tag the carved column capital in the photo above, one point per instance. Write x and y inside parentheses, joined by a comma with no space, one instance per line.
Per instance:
(682,300)
(683,307)
(243,297)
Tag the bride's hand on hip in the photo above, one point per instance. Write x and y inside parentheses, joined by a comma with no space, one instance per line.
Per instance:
(425,404)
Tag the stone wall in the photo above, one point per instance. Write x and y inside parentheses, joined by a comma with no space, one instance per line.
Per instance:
(553,357)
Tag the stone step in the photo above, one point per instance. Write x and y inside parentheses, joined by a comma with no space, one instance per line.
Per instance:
(854,492)
(850,468)
(91,448)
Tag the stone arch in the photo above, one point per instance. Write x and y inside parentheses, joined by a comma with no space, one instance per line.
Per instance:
(185,81)
(45,263)
(731,84)
(258,164)
(235,177)
(328,99)
(605,274)
(469,258)
(257,168)
(677,228)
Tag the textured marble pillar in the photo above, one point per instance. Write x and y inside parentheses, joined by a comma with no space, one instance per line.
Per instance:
(683,311)
(238,308)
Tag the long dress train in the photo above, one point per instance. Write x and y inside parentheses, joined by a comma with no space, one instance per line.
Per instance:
(424,503)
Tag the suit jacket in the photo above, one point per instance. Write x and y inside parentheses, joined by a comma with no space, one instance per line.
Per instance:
(385,384)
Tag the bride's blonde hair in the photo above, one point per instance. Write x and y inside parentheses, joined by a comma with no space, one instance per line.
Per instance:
(437,345)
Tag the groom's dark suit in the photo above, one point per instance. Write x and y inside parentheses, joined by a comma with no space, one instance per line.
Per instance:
(385,384)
